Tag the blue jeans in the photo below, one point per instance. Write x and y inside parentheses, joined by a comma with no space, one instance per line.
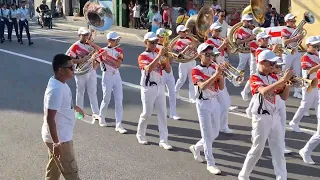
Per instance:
(154,28)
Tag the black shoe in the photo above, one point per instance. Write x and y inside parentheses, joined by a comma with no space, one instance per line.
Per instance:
(2,41)
(30,43)
(21,42)
(10,40)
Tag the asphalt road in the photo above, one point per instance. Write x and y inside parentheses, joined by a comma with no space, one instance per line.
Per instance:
(104,154)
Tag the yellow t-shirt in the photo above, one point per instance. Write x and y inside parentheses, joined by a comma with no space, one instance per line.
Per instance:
(181,20)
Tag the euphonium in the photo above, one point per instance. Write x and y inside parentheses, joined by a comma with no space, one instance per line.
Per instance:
(233,75)
(256,8)
(168,54)
(307,18)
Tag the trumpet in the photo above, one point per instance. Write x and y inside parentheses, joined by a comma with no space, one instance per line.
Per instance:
(233,75)
(300,82)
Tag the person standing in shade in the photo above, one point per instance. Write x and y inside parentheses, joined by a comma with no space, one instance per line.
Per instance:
(59,121)
(4,12)
(23,22)
(156,19)
(13,23)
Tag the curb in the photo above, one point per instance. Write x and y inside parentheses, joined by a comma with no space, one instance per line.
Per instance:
(76,27)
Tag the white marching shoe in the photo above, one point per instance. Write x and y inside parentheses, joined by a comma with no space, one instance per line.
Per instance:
(295,127)
(121,130)
(287,151)
(213,169)
(244,96)
(196,154)
(297,95)
(142,140)
(305,157)
(102,122)
(165,146)
(175,117)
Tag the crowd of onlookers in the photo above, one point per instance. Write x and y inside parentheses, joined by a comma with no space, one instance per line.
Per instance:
(152,17)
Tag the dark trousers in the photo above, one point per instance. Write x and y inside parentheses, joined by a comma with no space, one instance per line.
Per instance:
(24,24)
(137,23)
(2,27)
(12,24)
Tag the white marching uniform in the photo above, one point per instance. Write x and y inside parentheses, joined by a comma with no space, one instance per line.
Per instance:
(152,96)
(208,110)
(169,81)
(291,61)
(315,139)
(243,33)
(86,81)
(308,61)
(253,64)
(266,125)
(224,97)
(184,68)
(111,82)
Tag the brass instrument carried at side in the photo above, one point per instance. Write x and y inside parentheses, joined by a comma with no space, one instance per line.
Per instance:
(197,25)
(100,19)
(256,8)
(166,34)
(307,18)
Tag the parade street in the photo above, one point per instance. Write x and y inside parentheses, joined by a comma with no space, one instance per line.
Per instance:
(104,154)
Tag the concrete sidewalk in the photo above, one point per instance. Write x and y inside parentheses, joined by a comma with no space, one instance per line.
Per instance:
(74,24)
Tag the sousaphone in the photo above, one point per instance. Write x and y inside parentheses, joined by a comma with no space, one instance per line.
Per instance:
(257,10)
(197,26)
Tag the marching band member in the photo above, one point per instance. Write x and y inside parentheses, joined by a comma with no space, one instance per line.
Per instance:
(291,60)
(253,63)
(224,97)
(310,63)
(111,81)
(265,116)
(168,78)
(152,90)
(23,22)
(244,36)
(184,68)
(13,23)
(80,51)
(208,80)
(314,141)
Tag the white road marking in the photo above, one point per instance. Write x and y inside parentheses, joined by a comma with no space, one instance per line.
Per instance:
(135,86)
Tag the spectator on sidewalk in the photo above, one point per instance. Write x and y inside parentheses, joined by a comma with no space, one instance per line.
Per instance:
(274,19)
(136,15)
(221,22)
(193,10)
(156,19)
(131,5)
(234,17)
(174,16)
(150,16)
(166,16)
(182,18)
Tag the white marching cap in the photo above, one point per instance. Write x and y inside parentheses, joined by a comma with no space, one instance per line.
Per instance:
(150,36)
(262,35)
(204,46)
(312,40)
(289,16)
(268,55)
(246,17)
(83,30)
(215,26)
(181,28)
(112,35)
(160,31)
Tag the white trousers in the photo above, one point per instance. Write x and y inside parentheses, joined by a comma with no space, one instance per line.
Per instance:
(293,62)
(253,69)
(112,83)
(169,81)
(153,96)
(308,100)
(225,103)
(87,81)
(283,116)
(184,72)
(209,120)
(266,127)
(244,58)
(315,139)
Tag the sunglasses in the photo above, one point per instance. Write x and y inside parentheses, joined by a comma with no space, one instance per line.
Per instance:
(71,68)
(272,63)
(211,54)
(218,30)
(153,42)
(222,16)
(85,34)
(292,21)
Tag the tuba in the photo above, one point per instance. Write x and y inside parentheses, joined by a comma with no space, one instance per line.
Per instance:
(100,18)
(256,8)
(307,18)
(198,25)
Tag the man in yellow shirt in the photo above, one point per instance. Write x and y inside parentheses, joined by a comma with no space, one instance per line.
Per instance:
(182,18)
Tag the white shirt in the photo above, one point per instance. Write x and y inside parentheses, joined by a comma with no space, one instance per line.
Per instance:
(155,76)
(136,11)
(224,26)
(58,97)
(156,18)
(106,64)
(4,13)
(23,13)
